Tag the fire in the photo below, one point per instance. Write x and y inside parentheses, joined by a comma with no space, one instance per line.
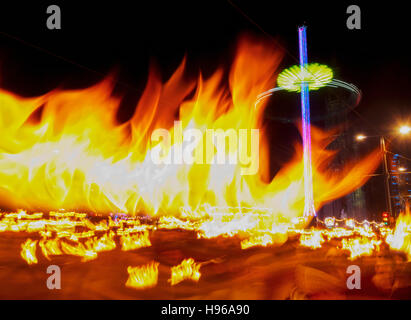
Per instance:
(186,270)
(360,246)
(263,241)
(105,243)
(65,149)
(135,241)
(339,233)
(80,250)
(143,277)
(28,251)
(314,239)
(50,248)
(400,239)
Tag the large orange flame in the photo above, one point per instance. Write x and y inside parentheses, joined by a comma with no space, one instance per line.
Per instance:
(77,157)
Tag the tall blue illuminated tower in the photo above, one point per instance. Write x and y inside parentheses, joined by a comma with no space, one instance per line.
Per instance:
(309,209)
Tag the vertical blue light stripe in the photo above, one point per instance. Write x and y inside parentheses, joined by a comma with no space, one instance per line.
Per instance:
(309,209)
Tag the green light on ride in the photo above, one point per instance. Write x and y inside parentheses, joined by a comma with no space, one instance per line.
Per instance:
(316,75)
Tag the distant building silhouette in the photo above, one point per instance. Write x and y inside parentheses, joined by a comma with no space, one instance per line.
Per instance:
(400,184)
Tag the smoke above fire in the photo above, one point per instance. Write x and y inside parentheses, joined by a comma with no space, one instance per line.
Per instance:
(78,157)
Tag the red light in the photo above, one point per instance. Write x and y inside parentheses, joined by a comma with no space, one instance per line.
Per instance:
(385,216)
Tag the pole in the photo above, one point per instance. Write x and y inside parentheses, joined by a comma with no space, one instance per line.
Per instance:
(309,210)
(386,175)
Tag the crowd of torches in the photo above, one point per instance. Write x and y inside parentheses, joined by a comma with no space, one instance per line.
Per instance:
(70,233)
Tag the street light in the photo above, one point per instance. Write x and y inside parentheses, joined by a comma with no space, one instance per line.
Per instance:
(404,129)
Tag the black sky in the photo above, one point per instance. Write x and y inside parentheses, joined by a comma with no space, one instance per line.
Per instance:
(97,37)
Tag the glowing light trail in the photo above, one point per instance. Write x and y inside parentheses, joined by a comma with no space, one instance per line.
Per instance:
(334,83)
(309,209)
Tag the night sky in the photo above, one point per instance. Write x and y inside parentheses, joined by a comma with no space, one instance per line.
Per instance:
(99,37)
